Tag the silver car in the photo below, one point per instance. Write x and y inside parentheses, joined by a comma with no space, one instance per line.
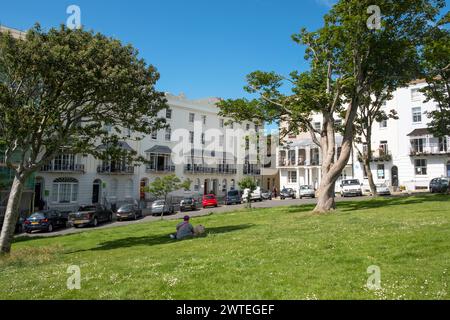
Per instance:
(307,192)
(160,207)
(383,190)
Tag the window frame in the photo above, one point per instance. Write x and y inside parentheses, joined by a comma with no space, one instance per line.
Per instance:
(416,115)
(421,168)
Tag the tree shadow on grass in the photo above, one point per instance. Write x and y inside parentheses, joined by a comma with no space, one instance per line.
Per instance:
(380,202)
(158,239)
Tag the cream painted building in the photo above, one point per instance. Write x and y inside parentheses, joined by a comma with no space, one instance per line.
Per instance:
(405,153)
(198,145)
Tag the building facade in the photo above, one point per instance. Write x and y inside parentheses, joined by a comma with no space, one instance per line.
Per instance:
(198,145)
(405,156)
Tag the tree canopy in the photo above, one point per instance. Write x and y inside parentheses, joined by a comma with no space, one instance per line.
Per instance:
(347,62)
(59,92)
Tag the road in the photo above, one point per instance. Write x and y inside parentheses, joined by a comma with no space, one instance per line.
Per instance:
(198,213)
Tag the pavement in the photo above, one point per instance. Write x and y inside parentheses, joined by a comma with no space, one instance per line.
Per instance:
(198,213)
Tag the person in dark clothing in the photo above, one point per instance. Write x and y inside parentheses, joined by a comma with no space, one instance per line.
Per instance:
(184,229)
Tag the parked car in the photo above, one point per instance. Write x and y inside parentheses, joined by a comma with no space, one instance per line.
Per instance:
(287,193)
(160,207)
(439,185)
(90,215)
(233,197)
(209,200)
(383,189)
(19,224)
(256,195)
(188,203)
(129,211)
(46,220)
(351,187)
(307,192)
(266,194)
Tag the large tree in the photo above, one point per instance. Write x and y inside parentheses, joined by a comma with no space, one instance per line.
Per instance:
(346,58)
(436,68)
(58,90)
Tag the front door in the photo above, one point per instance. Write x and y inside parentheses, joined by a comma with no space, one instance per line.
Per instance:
(394,173)
(161,163)
(206,187)
(96,193)
(38,201)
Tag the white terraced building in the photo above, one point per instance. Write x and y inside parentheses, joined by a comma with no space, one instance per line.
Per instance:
(405,153)
(199,145)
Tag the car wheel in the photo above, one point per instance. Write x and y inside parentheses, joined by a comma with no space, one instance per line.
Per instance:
(50,228)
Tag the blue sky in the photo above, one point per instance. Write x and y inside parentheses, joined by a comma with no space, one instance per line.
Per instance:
(201,47)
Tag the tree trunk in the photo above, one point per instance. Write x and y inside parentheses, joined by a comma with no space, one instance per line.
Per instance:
(11,214)
(373,187)
(326,199)
(331,170)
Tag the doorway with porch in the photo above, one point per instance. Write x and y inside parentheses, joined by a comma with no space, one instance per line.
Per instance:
(394,176)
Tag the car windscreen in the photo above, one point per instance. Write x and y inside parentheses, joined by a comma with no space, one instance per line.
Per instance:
(127,207)
(87,208)
(233,193)
(350,182)
(306,187)
(38,215)
(158,203)
(209,197)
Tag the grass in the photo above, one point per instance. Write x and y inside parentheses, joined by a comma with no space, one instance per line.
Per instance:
(279,253)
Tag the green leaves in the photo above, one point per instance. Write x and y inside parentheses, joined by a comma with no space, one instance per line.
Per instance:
(436,69)
(247,183)
(161,187)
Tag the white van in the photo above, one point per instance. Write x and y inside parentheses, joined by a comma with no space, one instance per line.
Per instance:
(255,196)
(351,187)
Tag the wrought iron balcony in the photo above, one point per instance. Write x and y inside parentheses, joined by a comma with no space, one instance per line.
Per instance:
(63,167)
(117,170)
(430,150)
(159,169)
(202,169)
(379,156)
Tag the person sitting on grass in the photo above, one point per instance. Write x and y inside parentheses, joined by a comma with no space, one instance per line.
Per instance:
(184,229)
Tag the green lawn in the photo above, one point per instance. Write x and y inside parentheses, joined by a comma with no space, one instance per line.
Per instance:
(281,253)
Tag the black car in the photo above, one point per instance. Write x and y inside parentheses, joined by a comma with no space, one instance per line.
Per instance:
(19,224)
(129,211)
(287,193)
(46,220)
(233,197)
(90,216)
(439,185)
(188,203)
